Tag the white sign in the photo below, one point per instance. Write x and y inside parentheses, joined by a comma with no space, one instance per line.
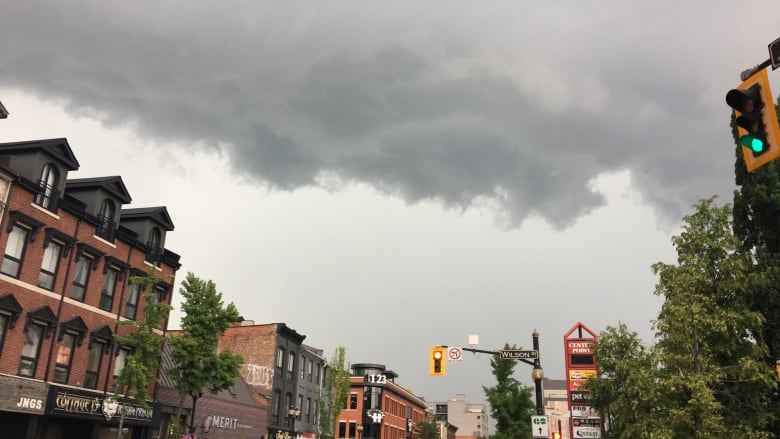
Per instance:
(454,353)
(587,433)
(583,411)
(539,427)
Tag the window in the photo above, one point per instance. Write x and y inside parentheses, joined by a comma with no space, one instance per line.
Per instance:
(107,292)
(310,366)
(290,365)
(64,357)
(4,319)
(303,367)
(280,358)
(319,372)
(352,429)
(107,225)
(93,364)
(31,350)
(14,250)
(155,245)
(353,401)
(121,359)
(132,300)
(276,406)
(48,185)
(51,257)
(81,277)
(287,407)
(342,429)
(308,410)
(160,293)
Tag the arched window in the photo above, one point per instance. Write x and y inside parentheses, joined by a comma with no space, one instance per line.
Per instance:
(107,214)
(48,185)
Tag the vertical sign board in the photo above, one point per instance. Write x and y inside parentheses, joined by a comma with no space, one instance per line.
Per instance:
(579,344)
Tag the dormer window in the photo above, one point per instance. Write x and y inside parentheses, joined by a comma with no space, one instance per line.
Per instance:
(155,245)
(48,184)
(107,225)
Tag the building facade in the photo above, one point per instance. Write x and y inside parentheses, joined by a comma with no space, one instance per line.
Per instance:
(377,407)
(227,414)
(284,375)
(70,251)
(471,419)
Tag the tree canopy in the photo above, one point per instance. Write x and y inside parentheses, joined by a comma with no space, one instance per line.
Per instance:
(705,377)
(510,402)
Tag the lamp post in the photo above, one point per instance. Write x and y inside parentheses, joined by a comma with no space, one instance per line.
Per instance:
(537,374)
(360,430)
(195,397)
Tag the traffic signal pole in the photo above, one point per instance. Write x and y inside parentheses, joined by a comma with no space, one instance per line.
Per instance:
(537,374)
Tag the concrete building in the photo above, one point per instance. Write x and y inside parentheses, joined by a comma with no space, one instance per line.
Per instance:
(378,407)
(470,419)
(556,405)
(70,251)
(284,375)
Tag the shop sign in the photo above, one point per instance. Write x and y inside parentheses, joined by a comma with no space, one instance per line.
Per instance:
(580,396)
(22,395)
(281,434)
(583,411)
(223,423)
(75,403)
(587,432)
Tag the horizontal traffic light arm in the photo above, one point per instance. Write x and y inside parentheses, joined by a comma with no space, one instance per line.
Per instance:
(482,351)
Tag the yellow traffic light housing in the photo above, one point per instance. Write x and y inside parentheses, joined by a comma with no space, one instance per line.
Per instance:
(556,435)
(438,366)
(756,118)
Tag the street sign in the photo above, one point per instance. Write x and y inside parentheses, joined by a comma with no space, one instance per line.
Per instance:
(454,353)
(539,427)
(774,53)
(518,355)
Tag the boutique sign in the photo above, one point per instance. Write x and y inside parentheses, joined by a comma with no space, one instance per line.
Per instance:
(74,403)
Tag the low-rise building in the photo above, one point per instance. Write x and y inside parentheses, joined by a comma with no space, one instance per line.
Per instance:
(470,419)
(377,407)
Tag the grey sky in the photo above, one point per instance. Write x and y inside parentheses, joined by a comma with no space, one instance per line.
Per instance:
(438,164)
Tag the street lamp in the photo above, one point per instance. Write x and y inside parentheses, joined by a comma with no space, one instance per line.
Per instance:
(537,374)
(360,430)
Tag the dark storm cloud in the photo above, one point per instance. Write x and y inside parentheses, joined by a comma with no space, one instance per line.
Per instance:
(523,107)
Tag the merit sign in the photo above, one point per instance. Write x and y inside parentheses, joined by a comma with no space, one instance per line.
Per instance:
(518,355)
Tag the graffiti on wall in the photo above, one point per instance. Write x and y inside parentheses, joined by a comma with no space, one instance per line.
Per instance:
(257,375)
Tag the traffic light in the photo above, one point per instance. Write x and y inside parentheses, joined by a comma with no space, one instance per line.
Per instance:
(756,120)
(438,362)
(556,435)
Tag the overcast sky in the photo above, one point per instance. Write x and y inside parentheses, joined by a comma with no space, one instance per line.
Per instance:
(388,176)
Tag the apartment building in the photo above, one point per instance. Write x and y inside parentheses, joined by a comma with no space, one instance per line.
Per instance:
(70,249)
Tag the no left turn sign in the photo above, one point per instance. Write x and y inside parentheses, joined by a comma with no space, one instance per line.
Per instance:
(454,353)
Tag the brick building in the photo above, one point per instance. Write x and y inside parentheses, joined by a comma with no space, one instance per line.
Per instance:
(377,407)
(69,252)
(228,414)
(284,375)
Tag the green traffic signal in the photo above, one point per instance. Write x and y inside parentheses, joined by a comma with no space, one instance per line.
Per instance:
(754,143)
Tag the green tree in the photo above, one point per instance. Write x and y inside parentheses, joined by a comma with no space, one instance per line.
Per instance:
(335,389)
(625,390)
(510,402)
(756,213)
(141,365)
(198,365)
(712,367)
(426,430)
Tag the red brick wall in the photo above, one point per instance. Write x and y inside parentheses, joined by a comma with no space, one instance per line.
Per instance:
(31,297)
